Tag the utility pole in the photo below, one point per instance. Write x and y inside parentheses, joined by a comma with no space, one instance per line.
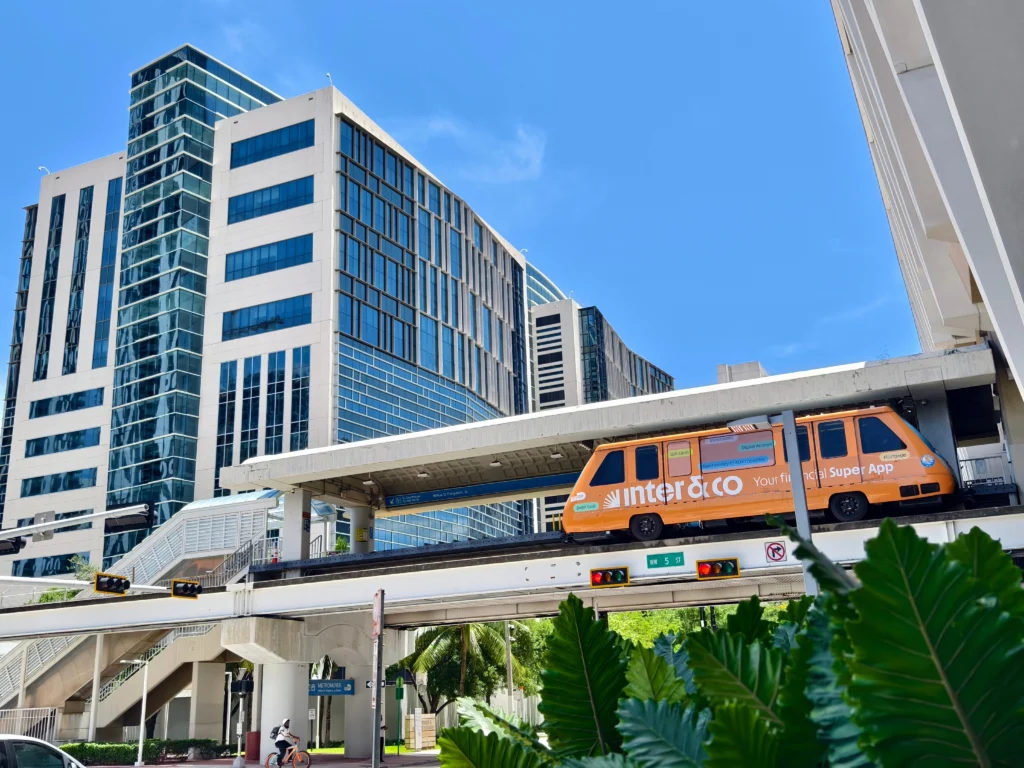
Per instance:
(796,481)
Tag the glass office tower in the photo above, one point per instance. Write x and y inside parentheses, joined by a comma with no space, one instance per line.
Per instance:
(161,301)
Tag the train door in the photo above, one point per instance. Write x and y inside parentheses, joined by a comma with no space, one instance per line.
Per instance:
(679,461)
(808,462)
(644,491)
(838,459)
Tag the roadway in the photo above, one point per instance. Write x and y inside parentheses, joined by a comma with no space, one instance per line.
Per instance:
(488,581)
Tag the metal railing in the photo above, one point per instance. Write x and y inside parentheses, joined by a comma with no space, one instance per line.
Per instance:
(984,470)
(267,550)
(191,630)
(39,722)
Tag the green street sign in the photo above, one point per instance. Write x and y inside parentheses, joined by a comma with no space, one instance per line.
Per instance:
(399,693)
(665,561)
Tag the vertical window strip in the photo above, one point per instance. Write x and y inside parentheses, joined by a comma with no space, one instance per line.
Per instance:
(225,423)
(73,330)
(105,298)
(273,441)
(299,435)
(45,330)
(249,437)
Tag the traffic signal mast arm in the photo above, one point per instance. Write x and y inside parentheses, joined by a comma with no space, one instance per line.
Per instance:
(70,583)
(28,530)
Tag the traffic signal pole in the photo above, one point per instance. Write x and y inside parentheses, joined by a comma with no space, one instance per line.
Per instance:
(71,583)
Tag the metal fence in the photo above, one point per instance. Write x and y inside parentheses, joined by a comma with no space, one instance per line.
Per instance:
(39,722)
(979,471)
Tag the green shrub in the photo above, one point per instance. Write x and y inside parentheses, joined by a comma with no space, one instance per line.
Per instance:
(89,753)
(918,659)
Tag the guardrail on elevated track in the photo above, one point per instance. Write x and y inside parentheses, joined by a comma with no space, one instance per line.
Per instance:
(509,582)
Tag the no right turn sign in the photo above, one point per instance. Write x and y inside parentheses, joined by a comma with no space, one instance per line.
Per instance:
(775,551)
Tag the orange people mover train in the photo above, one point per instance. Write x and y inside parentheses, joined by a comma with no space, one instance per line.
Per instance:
(850,460)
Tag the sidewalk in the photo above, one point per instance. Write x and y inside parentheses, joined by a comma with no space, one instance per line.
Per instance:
(428,758)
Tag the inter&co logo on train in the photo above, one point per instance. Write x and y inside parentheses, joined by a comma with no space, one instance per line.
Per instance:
(653,493)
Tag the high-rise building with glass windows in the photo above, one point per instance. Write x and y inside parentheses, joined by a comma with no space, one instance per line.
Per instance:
(251,275)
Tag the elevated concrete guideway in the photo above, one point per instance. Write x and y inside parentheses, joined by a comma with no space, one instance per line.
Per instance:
(506,459)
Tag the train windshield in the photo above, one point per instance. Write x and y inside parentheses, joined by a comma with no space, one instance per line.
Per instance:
(926,441)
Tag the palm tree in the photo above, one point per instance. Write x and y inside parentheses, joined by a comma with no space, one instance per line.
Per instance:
(483,642)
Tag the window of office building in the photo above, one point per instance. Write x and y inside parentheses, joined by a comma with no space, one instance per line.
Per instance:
(299,435)
(50,406)
(265,318)
(271,144)
(268,258)
(263,202)
(249,437)
(225,423)
(62,481)
(41,567)
(108,263)
(273,441)
(68,441)
(73,330)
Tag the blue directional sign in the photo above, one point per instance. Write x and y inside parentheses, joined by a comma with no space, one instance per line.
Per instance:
(332,687)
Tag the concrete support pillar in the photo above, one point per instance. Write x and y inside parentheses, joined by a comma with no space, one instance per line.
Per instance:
(295,525)
(257,697)
(934,422)
(286,689)
(358,715)
(206,709)
(97,670)
(361,524)
(166,720)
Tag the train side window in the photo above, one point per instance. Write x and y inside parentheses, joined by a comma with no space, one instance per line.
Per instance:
(876,437)
(612,470)
(832,439)
(646,457)
(679,458)
(803,442)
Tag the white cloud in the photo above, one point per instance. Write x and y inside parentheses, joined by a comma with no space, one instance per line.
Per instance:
(483,156)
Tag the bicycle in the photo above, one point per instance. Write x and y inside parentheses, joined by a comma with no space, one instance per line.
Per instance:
(294,756)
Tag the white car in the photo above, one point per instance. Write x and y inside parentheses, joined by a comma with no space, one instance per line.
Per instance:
(27,752)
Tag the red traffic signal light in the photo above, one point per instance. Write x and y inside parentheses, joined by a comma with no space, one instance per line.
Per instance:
(723,568)
(609,577)
(110,584)
(186,588)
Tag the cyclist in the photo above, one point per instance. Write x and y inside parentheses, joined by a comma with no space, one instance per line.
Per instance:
(284,739)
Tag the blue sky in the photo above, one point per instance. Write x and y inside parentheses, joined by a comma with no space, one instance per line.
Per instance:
(698,170)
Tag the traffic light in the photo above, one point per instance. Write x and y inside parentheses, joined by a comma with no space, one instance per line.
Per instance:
(11,546)
(609,577)
(723,568)
(110,584)
(189,590)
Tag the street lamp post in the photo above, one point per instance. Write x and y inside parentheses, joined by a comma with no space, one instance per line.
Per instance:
(142,716)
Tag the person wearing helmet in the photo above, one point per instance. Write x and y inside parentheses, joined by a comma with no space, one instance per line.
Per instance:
(284,739)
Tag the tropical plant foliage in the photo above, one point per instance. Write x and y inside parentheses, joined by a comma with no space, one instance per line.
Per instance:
(917,658)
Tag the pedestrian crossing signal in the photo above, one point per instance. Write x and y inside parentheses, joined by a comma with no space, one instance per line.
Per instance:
(110,584)
(186,589)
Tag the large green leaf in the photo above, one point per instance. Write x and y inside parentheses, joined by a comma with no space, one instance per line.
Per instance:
(799,737)
(584,675)
(740,738)
(748,621)
(829,575)
(478,716)
(938,674)
(662,734)
(678,659)
(784,637)
(796,610)
(990,565)
(649,676)
(605,761)
(726,668)
(830,712)
(466,748)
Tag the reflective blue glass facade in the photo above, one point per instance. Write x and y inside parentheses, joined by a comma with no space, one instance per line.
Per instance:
(73,330)
(263,202)
(273,440)
(225,423)
(66,441)
(76,401)
(265,318)
(268,258)
(175,102)
(28,240)
(299,434)
(250,429)
(62,481)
